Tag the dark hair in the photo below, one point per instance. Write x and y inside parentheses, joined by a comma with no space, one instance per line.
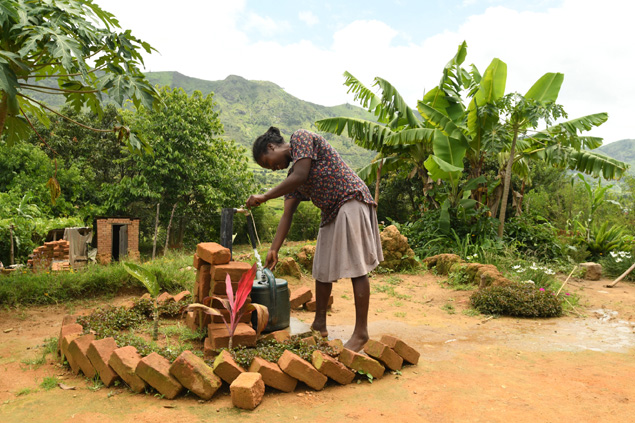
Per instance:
(272,136)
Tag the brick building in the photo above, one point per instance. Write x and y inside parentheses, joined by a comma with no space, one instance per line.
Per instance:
(117,238)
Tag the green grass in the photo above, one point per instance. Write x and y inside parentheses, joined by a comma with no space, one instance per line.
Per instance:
(449,308)
(92,281)
(49,383)
(399,314)
(25,391)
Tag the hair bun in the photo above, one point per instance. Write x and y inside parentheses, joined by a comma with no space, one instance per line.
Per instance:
(273,130)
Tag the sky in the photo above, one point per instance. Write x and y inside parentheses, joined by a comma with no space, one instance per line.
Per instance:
(304,46)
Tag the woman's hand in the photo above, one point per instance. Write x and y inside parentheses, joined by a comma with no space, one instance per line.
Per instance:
(271,260)
(255,200)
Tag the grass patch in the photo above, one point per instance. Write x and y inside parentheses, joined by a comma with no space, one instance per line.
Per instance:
(449,308)
(49,383)
(517,300)
(25,391)
(399,314)
(93,280)
(472,312)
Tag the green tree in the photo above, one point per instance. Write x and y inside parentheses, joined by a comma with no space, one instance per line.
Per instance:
(191,167)
(66,48)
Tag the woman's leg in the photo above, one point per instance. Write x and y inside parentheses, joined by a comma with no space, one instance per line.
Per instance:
(361,291)
(322,294)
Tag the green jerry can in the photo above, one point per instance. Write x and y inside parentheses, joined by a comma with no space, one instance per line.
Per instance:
(274,294)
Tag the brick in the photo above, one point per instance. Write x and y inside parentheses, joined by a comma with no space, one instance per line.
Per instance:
(213,253)
(226,368)
(78,349)
(246,317)
(165,298)
(198,262)
(234,269)
(191,320)
(302,370)
(124,361)
(192,372)
(332,368)
(66,341)
(359,362)
(203,282)
(146,296)
(384,354)
(155,370)
(217,304)
(406,352)
(279,336)
(337,345)
(69,319)
(311,305)
(181,296)
(299,297)
(67,329)
(244,335)
(99,352)
(272,375)
(208,351)
(309,340)
(219,288)
(247,390)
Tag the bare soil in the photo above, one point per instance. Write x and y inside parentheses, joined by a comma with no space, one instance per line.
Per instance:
(472,369)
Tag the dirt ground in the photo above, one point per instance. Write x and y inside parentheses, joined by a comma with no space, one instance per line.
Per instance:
(472,369)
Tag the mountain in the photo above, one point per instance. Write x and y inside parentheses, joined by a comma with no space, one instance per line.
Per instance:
(248,108)
(623,150)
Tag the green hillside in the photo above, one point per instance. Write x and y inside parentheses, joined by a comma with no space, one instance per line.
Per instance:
(621,150)
(249,108)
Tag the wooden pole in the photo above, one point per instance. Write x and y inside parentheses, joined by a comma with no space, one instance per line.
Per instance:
(622,276)
(156,229)
(167,233)
(11,255)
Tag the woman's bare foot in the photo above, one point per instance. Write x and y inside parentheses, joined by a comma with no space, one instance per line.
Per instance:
(320,328)
(357,342)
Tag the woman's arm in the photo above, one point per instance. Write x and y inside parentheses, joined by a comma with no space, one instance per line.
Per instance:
(290,206)
(299,176)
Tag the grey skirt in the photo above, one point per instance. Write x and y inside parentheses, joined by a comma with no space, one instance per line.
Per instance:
(349,246)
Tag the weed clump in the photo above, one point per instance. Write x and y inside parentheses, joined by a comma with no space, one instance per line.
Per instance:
(271,350)
(517,300)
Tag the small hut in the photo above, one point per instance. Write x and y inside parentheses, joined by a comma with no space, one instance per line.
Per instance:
(117,238)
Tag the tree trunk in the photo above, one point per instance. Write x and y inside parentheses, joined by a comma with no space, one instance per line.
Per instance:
(381,164)
(4,110)
(11,254)
(167,233)
(155,318)
(508,180)
(520,200)
(156,229)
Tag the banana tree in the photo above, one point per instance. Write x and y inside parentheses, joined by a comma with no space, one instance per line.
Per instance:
(149,280)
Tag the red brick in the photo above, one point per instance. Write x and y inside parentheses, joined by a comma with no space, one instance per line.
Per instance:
(197,263)
(226,368)
(217,304)
(299,297)
(66,341)
(359,362)
(244,335)
(310,306)
(383,354)
(219,288)
(272,375)
(247,390)
(192,372)
(69,319)
(99,352)
(181,296)
(234,269)
(124,361)
(78,349)
(67,329)
(302,370)
(279,336)
(246,317)
(208,351)
(337,345)
(332,368)
(203,282)
(213,253)
(190,320)
(155,369)
(165,298)
(309,340)
(406,352)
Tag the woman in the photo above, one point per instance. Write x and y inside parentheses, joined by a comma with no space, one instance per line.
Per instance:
(348,244)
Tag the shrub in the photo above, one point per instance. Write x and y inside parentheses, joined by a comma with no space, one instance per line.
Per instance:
(306,222)
(534,236)
(617,262)
(604,239)
(517,300)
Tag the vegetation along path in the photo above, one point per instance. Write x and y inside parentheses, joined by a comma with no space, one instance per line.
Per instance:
(473,368)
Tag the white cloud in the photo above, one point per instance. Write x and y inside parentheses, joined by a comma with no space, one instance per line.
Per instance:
(590,43)
(308,18)
(265,25)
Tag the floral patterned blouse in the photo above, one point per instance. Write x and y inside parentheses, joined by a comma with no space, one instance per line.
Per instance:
(331,182)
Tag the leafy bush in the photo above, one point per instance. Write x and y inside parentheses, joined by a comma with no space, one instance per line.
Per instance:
(534,236)
(604,239)
(306,222)
(617,262)
(517,300)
